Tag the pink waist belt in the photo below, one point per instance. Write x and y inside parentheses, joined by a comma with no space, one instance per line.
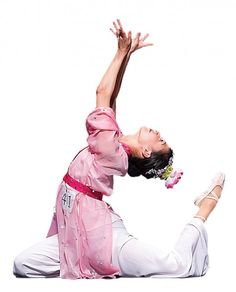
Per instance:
(78,186)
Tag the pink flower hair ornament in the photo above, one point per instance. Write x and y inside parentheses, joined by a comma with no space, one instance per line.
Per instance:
(173,178)
(168,174)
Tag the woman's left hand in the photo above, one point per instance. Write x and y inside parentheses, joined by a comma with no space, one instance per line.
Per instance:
(124,40)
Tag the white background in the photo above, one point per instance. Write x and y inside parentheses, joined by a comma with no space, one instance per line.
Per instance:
(52,56)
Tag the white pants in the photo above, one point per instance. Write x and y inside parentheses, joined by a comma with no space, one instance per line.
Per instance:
(134,258)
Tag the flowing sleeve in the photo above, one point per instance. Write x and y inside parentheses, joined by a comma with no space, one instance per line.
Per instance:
(103,133)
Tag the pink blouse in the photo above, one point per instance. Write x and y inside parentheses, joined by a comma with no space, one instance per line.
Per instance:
(85,229)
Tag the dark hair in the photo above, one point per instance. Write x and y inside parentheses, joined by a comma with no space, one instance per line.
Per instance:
(157,160)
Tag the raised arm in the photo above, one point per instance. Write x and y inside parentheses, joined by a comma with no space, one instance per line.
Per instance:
(110,85)
(107,85)
(137,43)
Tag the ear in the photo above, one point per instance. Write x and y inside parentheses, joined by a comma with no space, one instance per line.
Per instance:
(146,152)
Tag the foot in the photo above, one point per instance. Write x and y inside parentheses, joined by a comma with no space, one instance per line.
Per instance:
(214,191)
(208,200)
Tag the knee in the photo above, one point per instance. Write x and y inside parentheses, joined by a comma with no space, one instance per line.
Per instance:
(182,268)
(177,265)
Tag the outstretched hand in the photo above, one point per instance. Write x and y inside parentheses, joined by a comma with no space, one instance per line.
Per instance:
(138,42)
(125,41)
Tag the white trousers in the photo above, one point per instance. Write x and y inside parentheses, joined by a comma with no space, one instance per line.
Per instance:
(133,257)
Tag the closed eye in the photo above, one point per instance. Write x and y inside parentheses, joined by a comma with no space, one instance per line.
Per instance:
(162,141)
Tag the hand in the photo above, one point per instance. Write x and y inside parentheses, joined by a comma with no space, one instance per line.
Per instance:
(136,43)
(124,40)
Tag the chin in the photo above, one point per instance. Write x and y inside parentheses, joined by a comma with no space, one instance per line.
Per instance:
(143,129)
(139,132)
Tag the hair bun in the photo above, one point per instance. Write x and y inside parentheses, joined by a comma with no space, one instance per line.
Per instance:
(173,179)
(133,170)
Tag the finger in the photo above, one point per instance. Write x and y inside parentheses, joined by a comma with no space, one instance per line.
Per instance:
(144,37)
(120,25)
(147,45)
(122,32)
(129,35)
(138,35)
(144,45)
(113,31)
(140,46)
(115,26)
(118,32)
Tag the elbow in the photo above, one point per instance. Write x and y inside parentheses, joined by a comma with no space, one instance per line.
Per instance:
(98,90)
(101,91)
(102,97)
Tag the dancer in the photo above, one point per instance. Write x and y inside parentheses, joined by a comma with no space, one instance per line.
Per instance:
(87,238)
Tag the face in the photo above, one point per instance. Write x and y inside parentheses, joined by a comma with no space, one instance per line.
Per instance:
(151,141)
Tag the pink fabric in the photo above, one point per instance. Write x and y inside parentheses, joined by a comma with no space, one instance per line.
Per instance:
(85,234)
(78,186)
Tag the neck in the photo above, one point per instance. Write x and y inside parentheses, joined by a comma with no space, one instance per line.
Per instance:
(131,142)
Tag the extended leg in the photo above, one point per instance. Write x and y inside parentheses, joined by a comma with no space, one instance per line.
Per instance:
(188,258)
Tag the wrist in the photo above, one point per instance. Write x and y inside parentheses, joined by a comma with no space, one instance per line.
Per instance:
(121,53)
(129,54)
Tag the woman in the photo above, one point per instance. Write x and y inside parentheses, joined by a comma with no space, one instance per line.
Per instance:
(87,239)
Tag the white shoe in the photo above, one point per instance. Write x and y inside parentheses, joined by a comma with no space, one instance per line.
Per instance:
(218,180)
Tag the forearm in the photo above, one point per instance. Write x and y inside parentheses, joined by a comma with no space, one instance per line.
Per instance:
(119,79)
(107,85)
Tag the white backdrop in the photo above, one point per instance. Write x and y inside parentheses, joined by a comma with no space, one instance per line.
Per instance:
(52,56)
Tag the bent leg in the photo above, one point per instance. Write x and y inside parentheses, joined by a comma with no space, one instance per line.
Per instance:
(40,260)
(188,258)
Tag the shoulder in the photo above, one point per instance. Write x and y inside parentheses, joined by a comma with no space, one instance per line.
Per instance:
(101,110)
(102,118)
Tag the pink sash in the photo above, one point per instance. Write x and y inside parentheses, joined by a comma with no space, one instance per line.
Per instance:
(78,186)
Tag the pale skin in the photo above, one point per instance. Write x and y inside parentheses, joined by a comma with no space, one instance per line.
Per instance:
(145,140)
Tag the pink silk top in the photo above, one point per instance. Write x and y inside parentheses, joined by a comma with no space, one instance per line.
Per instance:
(85,230)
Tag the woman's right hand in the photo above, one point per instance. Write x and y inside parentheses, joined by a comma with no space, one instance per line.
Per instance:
(138,43)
